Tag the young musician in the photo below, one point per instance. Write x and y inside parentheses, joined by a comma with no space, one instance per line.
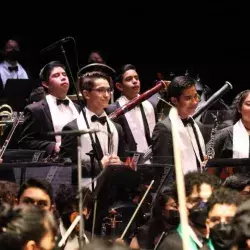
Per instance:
(233,141)
(138,123)
(96,90)
(51,113)
(183,95)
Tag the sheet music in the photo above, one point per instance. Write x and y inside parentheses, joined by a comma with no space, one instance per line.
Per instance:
(63,175)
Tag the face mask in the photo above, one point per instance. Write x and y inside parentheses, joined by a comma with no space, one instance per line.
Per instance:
(221,236)
(173,217)
(13,55)
(198,214)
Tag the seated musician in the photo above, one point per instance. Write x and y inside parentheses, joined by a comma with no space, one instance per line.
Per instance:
(183,95)
(138,123)
(51,113)
(67,204)
(233,141)
(95,88)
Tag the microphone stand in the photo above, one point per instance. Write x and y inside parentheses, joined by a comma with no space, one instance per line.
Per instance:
(79,167)
(94,145)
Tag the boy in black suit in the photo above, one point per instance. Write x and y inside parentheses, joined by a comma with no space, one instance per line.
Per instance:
(51,113)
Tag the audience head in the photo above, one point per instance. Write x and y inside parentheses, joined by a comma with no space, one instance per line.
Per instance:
(239,182)
(240,226)
(36,192)
(221,207)
(128,82)
(199,187)
(166,208)
(95,57)
(26,228)
(37,95)
(54,79)
(8,192)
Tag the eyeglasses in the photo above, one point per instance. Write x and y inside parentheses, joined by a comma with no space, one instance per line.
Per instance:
(103,90)
(190,98)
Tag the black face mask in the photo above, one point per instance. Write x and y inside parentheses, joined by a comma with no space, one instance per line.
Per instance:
(221,236)
(173,217)
(13,55)
(198,214)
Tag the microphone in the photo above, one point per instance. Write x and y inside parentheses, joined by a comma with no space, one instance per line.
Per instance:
(75,132)
(64,40)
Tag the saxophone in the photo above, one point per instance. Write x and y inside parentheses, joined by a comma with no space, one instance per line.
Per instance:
(210,150)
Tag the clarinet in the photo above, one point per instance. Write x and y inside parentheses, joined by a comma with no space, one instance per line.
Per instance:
(210,150)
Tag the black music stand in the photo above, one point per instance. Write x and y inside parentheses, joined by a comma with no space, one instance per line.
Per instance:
(228,162)
(236,164)
(16,93)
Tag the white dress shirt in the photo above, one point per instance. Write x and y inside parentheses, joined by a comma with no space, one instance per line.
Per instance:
(61,114)
(6,74)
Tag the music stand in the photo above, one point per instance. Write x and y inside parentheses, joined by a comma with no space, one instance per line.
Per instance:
(16,92)
(227,166)
(228,162)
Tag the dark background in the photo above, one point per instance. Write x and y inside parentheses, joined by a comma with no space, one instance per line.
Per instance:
(207,39)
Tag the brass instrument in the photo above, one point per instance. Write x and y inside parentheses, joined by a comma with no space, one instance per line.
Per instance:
(6,115)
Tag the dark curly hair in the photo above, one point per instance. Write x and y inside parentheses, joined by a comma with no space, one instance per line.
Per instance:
(67,200)
(194,178)
(240,225)
(237,181)
(21,224)
(224,196)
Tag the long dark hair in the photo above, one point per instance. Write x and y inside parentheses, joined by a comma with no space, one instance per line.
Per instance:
(23,223)
(237,104)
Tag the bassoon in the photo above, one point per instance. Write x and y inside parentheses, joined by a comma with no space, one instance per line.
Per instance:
(160,85)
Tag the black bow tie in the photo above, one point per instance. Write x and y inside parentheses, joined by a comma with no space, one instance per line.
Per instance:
(14,68)
(102,119)
(60,101)
(187,121)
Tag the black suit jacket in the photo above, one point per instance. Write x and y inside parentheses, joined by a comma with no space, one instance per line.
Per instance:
(129,138)
(162,143)
(173,241)
(37,123)
(223,143)
(69,144)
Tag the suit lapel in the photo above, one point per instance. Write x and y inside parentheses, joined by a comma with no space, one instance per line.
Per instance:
(47,113)
(128,132)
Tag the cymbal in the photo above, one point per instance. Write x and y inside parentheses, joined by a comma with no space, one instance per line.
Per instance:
(74,97)
(96,67)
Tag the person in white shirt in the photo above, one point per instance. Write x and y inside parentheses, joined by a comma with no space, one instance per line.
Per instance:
(138,123)
(51,113)
(10,68)
(96,89)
